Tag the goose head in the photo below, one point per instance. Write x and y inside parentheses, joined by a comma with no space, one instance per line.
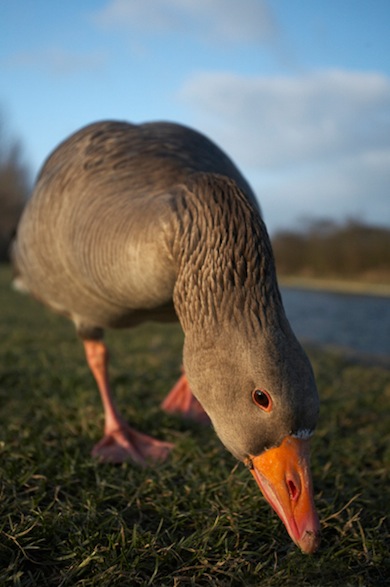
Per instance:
(262,400)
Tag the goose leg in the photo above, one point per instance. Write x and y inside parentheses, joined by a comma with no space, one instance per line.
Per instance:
(181,400)
(120,441)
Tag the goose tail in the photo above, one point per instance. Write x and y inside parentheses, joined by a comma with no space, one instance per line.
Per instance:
(17,282)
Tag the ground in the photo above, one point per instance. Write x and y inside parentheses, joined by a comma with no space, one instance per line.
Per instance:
(199,518)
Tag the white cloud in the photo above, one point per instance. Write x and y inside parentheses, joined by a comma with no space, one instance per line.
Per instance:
(57,61)
(354,186)
(311,145)
(227,21)
(365,181)
(282,120)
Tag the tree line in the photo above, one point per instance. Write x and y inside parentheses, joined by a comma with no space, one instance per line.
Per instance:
(351,249)
(14,188)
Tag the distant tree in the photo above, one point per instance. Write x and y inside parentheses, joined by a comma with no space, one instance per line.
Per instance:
(324,248)
(14,188)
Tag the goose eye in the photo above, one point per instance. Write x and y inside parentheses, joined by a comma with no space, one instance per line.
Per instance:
(262,399)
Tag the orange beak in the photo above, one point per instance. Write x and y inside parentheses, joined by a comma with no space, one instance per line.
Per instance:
(284,477)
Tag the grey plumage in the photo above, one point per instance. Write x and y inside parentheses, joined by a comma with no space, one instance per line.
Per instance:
(129,223)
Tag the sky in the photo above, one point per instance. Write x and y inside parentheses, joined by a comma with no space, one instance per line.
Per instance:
(297,92)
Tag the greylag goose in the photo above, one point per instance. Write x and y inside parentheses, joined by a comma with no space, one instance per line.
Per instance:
(129,223)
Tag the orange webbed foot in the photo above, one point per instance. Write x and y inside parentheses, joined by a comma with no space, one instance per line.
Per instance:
(181,400)
(125,443)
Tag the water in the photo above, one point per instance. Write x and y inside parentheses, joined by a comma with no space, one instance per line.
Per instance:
(358,323)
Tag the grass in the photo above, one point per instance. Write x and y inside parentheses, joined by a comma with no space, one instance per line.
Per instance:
(199,519)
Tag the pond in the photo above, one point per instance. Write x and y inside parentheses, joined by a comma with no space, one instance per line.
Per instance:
(360,323)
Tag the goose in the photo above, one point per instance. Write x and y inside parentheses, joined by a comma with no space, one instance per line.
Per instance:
(135,222)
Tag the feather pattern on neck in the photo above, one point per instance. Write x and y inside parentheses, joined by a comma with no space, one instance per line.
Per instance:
(226,268)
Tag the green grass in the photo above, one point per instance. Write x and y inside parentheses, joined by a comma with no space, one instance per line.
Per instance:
(199,519)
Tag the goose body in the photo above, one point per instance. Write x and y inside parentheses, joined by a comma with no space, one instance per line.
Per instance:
(136,222)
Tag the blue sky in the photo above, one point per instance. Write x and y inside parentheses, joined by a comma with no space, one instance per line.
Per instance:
(297,92)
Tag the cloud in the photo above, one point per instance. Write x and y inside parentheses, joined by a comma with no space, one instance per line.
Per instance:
(315,144)
(57,61)
(283,120)
(226,21)
(354,186)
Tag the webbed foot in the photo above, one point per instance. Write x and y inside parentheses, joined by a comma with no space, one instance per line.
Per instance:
(125,443)
(181,400)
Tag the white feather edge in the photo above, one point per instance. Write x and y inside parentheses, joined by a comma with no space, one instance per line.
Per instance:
(303,434)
